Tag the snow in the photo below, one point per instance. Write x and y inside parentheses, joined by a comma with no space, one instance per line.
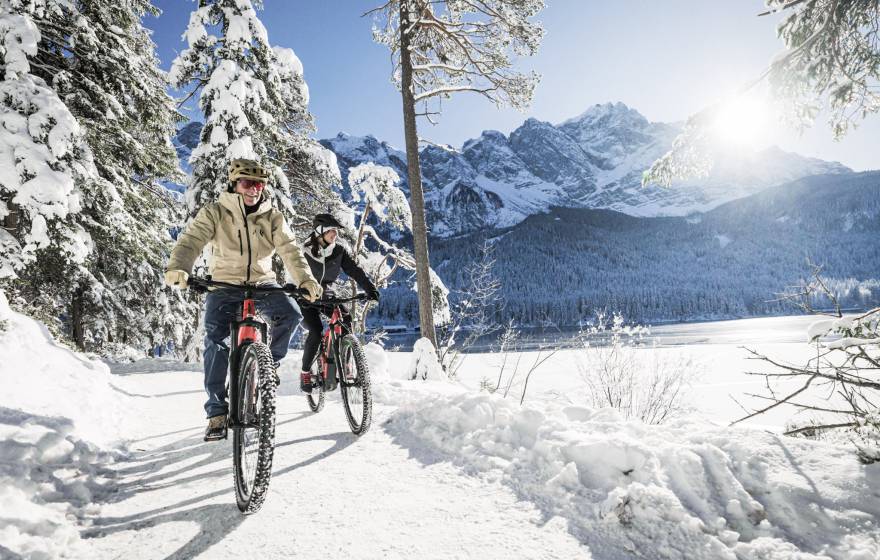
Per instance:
(41,153)
(19,36)
(447,471)
(424,363)
(47,379)
(288,59)
(723,240)
(686,490)
(56,409)
(376,185)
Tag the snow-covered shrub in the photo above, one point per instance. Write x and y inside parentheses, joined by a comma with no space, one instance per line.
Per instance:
(618,373)
(424,363)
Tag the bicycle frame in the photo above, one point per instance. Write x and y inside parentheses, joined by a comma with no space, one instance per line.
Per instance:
(328,343)
(246,330)
(329,339)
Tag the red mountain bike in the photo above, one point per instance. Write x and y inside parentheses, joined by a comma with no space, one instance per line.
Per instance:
(341,361)
(252,384)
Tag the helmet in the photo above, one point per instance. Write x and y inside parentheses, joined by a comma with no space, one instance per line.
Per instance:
(247,169)
(323,222)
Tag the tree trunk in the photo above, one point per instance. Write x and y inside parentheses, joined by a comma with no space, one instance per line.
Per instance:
(416,196)
(77,319)
(11,221)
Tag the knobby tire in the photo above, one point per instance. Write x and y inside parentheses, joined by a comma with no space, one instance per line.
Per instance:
(256,398)
(358,414)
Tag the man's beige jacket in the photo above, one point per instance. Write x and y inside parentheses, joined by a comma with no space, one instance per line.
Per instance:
(242,245)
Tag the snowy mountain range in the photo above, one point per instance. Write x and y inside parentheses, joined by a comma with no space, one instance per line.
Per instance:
(729,262)
(594,160)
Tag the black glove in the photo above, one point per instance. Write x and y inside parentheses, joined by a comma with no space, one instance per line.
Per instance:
(373,295)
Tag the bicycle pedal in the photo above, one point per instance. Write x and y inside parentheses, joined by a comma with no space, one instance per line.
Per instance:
(217,437)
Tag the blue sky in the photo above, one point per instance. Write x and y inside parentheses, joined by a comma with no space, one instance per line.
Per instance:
(666,59)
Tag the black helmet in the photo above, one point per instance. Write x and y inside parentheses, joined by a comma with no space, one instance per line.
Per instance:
(325,221)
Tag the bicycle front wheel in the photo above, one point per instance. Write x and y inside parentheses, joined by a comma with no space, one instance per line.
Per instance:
(253,442)
(354,379)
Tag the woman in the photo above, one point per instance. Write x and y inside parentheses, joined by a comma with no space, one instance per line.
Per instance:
(326,259)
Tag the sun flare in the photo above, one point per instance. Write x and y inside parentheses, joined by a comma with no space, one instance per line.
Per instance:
(741,120)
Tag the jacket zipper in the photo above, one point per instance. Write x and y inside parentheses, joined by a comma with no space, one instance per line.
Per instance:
(240,244)
(248,235)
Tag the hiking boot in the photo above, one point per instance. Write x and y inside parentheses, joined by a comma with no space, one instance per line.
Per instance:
(305,381)
(216,428)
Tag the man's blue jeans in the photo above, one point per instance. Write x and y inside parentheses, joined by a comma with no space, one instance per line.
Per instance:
(221,308)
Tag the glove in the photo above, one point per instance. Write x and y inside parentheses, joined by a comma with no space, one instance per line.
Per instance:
(313,288)
(176,278)
(373,295)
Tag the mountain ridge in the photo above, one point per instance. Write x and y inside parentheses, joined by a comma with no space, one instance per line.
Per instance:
(594,160)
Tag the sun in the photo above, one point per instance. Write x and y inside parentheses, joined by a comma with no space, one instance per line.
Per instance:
(741,120)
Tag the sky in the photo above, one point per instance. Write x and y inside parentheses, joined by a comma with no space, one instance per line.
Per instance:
(666,59)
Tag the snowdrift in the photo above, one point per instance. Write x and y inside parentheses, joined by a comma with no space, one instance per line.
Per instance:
(58,412)
(685,490)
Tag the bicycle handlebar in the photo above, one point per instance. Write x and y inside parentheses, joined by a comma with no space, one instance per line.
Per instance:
(195,281)
(332,301)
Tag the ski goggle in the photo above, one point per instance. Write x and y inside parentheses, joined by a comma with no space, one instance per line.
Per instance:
(251,183)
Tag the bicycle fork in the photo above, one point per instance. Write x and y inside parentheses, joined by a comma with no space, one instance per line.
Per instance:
(242,332)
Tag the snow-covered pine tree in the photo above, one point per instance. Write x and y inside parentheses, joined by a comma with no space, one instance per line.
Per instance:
(44,163)
(254,100)
(440,47)
(375,195)
(112,83)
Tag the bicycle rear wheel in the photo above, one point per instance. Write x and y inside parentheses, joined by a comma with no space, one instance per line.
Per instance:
(354,380)
(253,442)
(315,398)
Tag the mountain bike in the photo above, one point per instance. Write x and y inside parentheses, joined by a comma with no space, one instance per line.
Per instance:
(252,383)
(341,361)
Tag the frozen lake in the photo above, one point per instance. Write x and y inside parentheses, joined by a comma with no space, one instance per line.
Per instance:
(715,351)
(736,331)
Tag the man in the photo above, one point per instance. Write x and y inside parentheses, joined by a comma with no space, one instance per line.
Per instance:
(327,259)
(244,231)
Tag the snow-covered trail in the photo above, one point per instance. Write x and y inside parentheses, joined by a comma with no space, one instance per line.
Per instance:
(332,495)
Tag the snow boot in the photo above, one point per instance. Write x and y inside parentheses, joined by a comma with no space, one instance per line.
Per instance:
(216,428)
(305,381)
